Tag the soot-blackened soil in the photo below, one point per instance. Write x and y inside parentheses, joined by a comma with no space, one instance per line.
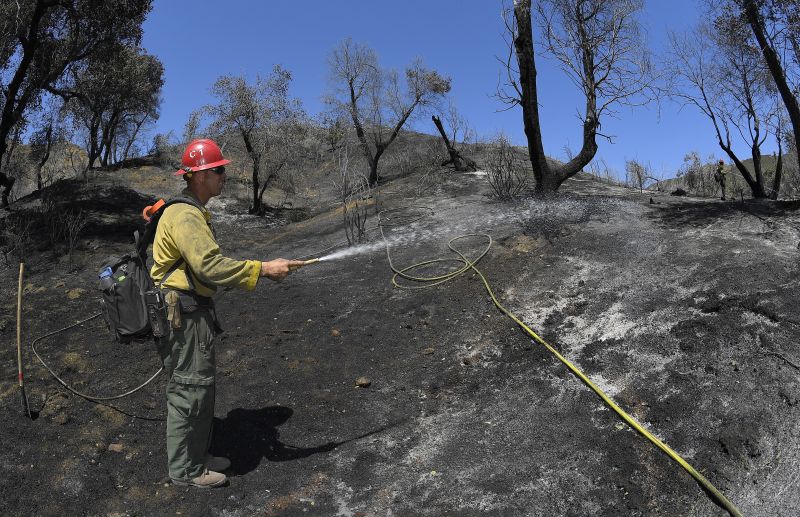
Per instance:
(684,311)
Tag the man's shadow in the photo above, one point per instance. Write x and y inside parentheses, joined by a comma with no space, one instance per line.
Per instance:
(247,435)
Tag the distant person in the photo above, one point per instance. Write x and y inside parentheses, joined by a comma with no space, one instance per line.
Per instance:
(188,267)
(719,177)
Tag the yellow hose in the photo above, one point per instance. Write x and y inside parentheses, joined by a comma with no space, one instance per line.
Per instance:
(467,265)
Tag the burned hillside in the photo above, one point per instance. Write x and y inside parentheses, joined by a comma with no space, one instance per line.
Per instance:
(681,310)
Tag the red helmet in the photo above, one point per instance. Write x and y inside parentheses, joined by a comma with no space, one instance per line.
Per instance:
(201,154)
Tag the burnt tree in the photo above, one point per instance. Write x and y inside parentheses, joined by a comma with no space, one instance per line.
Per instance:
(375,100)
(460,163)
(599,46)
(784,15)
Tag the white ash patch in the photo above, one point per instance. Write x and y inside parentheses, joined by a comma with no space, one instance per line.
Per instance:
(759,320)
(772,485)
(669,391)
(611,324)
(342,497)
(534,316)
(659,322)
(431,430)
(649,362)
(610,388)
(223,210)
(568,388)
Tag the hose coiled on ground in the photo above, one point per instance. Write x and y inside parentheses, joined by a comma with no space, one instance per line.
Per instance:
(86,396)
(470,264)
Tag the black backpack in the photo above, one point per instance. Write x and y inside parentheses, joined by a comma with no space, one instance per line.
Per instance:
(131,303)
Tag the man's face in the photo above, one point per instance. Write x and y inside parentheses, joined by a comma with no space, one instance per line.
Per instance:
(215,180)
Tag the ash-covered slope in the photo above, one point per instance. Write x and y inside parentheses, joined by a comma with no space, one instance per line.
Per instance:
(682,310)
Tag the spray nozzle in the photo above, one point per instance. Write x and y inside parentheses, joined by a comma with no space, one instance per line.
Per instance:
(305,263)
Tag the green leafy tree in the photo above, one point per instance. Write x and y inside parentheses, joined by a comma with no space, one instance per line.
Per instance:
(111,96)
(41,39)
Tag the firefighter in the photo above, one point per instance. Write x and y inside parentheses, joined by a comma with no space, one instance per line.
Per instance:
(189,267)
(719,177)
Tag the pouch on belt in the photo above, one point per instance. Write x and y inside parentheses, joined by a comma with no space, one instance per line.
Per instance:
(173,300)
(190,302)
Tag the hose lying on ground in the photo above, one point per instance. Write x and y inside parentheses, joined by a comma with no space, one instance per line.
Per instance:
(70,388)
(467,264)
(386,220)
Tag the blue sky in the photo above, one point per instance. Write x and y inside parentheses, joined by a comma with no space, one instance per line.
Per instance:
(200,40)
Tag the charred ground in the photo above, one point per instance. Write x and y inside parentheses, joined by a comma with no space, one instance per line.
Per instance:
(683,310)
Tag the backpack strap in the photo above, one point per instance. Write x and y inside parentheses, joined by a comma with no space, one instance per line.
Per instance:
(175,265)
(147,238)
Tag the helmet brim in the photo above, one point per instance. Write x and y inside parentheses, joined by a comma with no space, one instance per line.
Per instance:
(219,163)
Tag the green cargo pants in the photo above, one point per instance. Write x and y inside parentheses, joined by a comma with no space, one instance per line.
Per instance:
(188,358)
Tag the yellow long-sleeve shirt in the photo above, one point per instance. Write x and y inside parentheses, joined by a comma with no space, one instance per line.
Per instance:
(183,231)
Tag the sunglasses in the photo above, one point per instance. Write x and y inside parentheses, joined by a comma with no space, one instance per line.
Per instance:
(218,170)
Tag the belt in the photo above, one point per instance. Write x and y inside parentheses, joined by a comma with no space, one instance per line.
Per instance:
(191,301)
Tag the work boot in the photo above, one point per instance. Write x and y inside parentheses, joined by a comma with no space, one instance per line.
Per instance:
(217,463)
(208,479)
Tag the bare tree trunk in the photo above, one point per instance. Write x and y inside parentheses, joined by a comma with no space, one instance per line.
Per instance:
(373,165)
(256,197)
(6,181)
(15,140)
(48,145)
(776,182)
(756,154)
(460,163)
(775,68)
(93,152)
(138,126)
(106,140)
(755,188)
(267,182)
(549,178)
(756,185)
(523,43)
(13,106)
(256,159)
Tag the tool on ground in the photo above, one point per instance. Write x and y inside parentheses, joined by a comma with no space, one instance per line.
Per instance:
(306,263)
(25,407)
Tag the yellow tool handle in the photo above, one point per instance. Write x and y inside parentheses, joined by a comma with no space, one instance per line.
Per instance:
(19,323)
